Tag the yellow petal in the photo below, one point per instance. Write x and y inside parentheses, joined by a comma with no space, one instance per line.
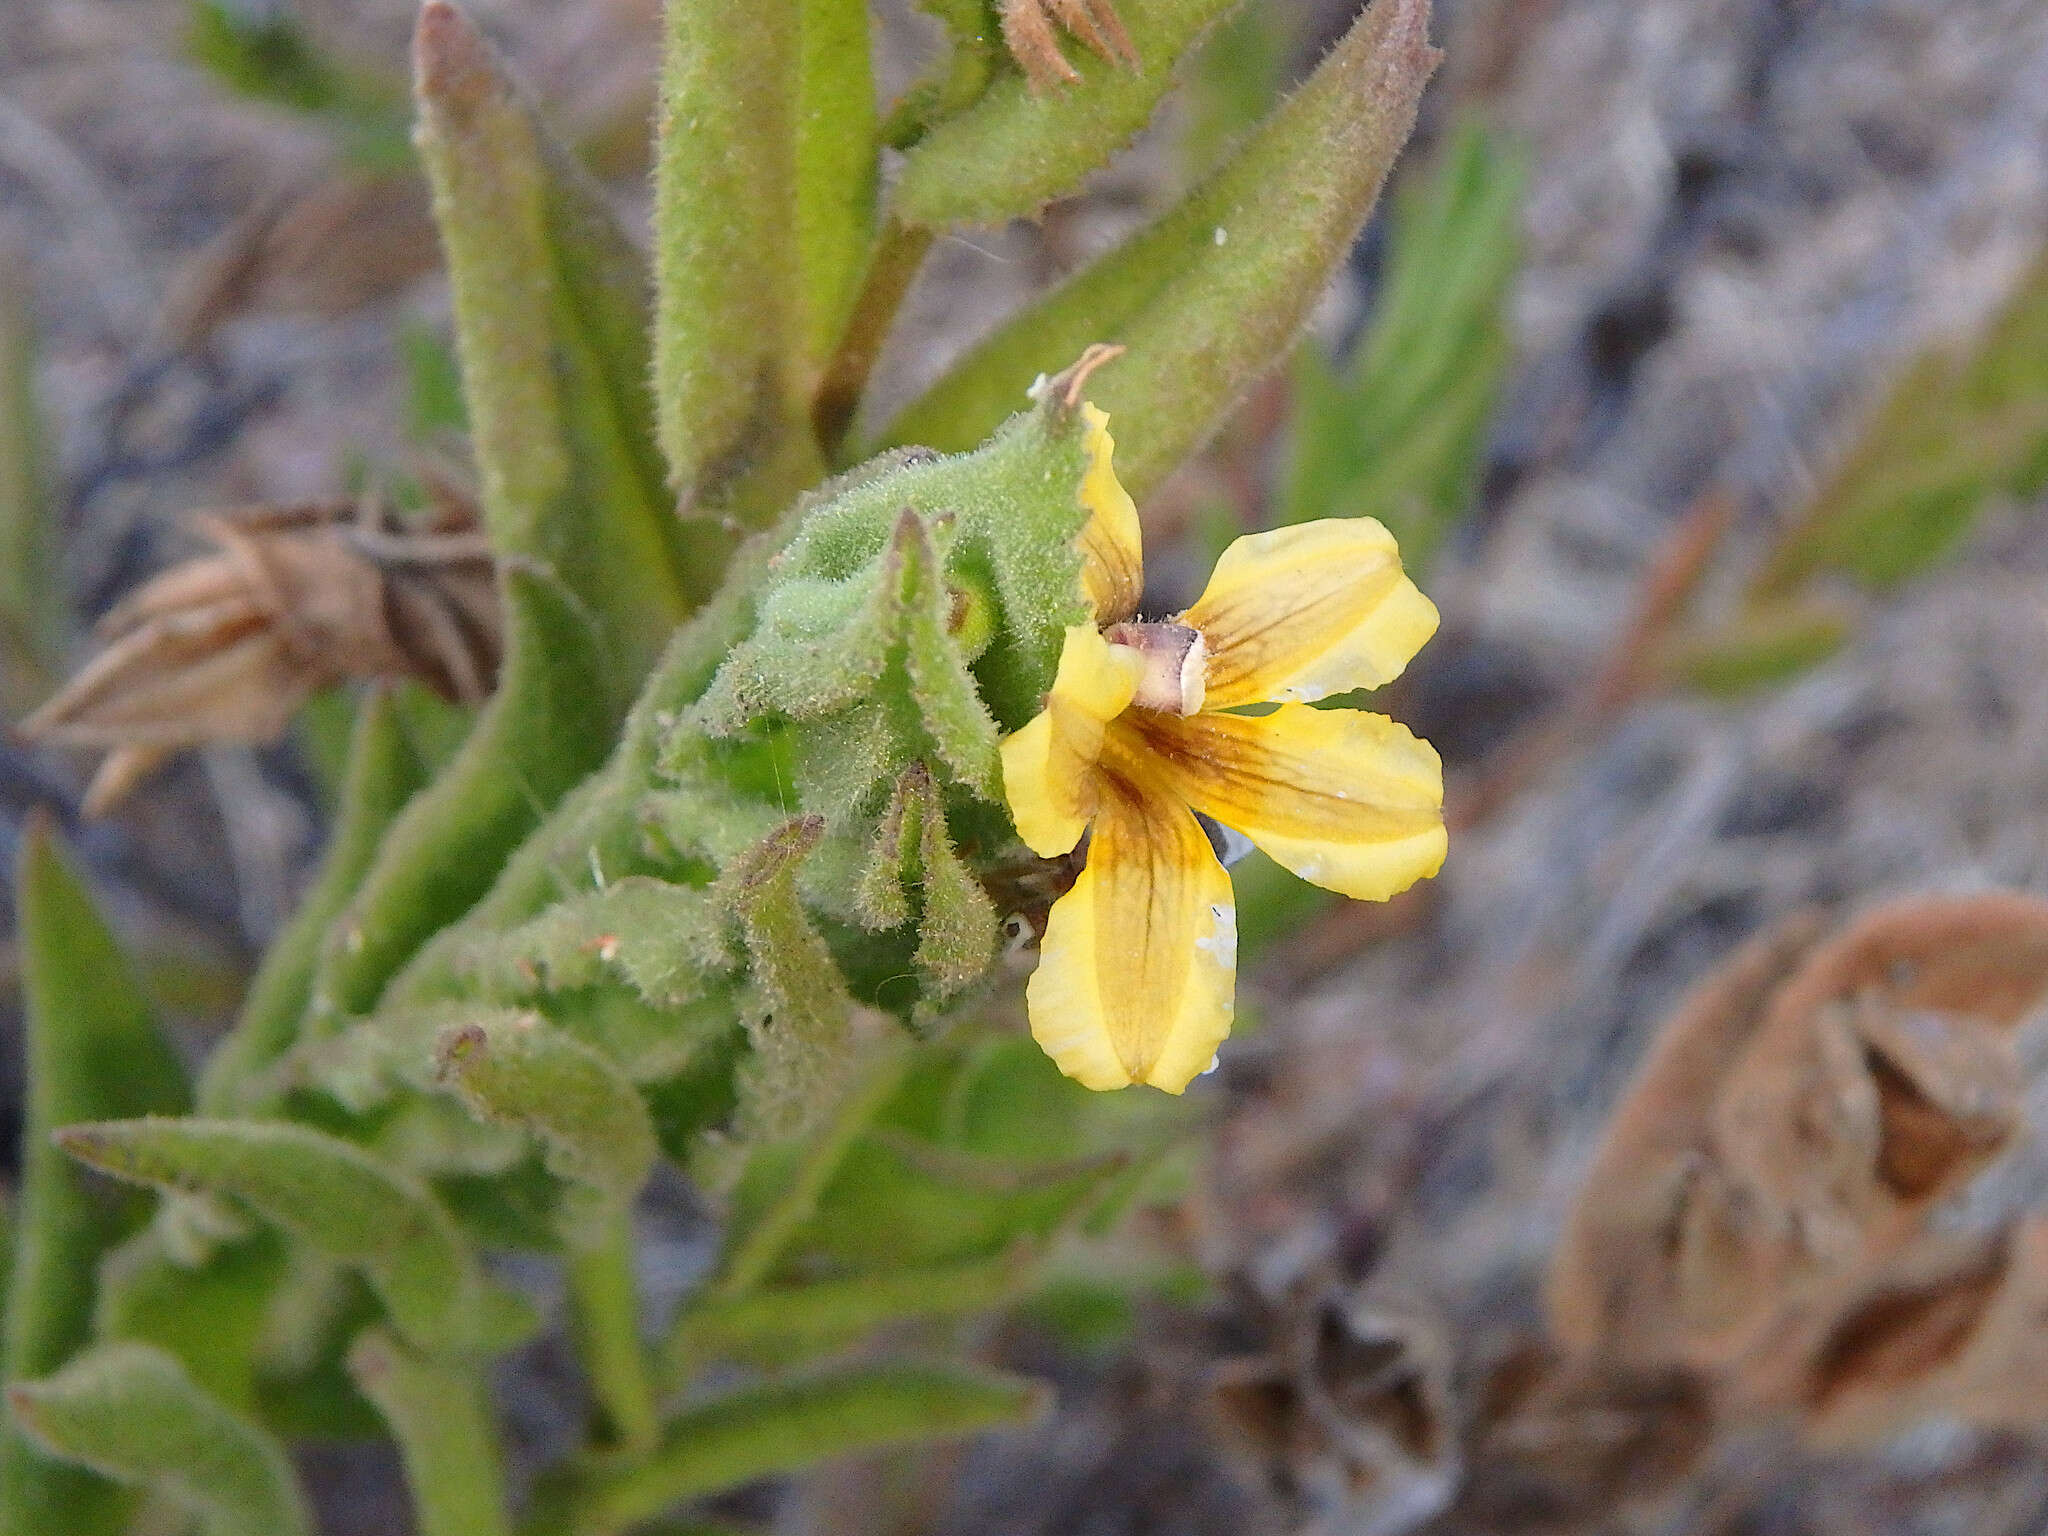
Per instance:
(1304,612)
(1345,799)
(1136,973)
(1049,765)
(1112,550)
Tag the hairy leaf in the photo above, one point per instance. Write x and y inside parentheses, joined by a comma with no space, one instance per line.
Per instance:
(92,1049)
(131,1412)
(542,731)
(1212,294)
(327,1193)
(590,1122)
(733,404)
(551,323)
(788,1426)
(383,773)
(1017,147)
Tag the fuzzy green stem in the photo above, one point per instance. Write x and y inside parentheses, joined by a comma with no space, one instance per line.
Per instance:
(606,1311)
(758,1248)
(787,1321)
(787,1426)
(436,1410)
(899,254)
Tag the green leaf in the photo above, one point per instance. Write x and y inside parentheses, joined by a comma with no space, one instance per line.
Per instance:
(1212,294)
(733,399)
(585,1113)
(329,1194)
(1766,645)
(787,1426)
(383,774)
(1959,428)
(92,1049)
(439,1415)
(662,938)
(544,729)
(605,1321)
(838,167)
(130,1411)
(598,831)
(824,644)
(551,322)
(957,923)
(802,1035)
(1016,149)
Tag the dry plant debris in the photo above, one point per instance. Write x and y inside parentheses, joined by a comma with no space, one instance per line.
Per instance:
(227,646)
(1758,1212)
(321,249)
(1028,32)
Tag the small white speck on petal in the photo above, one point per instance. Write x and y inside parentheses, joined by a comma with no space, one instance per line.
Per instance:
(1214,1063)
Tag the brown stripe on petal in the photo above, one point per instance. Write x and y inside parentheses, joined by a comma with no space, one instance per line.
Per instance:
(1343,775)
(1259,637)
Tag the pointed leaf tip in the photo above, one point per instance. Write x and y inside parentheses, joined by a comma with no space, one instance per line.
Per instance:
(451,61)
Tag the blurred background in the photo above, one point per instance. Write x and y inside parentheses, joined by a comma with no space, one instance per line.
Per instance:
(1699,359)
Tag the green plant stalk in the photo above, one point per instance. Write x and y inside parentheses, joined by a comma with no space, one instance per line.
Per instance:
(437,1412)
(544,729)
(1017,148)
(837,171)
(788,1426)
(92,1049)
(898,256)
(785,1322)
(753,1256)
(605,1316)
(383,774)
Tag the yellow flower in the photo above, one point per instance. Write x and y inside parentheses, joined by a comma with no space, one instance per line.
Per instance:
(1144,726)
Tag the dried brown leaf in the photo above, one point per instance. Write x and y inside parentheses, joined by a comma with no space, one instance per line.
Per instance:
(227,646)
(1948,1326)
(1883,1076)
(1793,1124)
(1662,1258)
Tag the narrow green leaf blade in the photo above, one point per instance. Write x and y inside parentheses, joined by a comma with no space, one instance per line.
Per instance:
(383,773)
(439,1415)
(790,1425)
(838,167)
(732,400)
(544,729)
(31,596)
(551,321)
(1958,428)
(781,1323)
(129,1411)
(1211,295)
(92,1050)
